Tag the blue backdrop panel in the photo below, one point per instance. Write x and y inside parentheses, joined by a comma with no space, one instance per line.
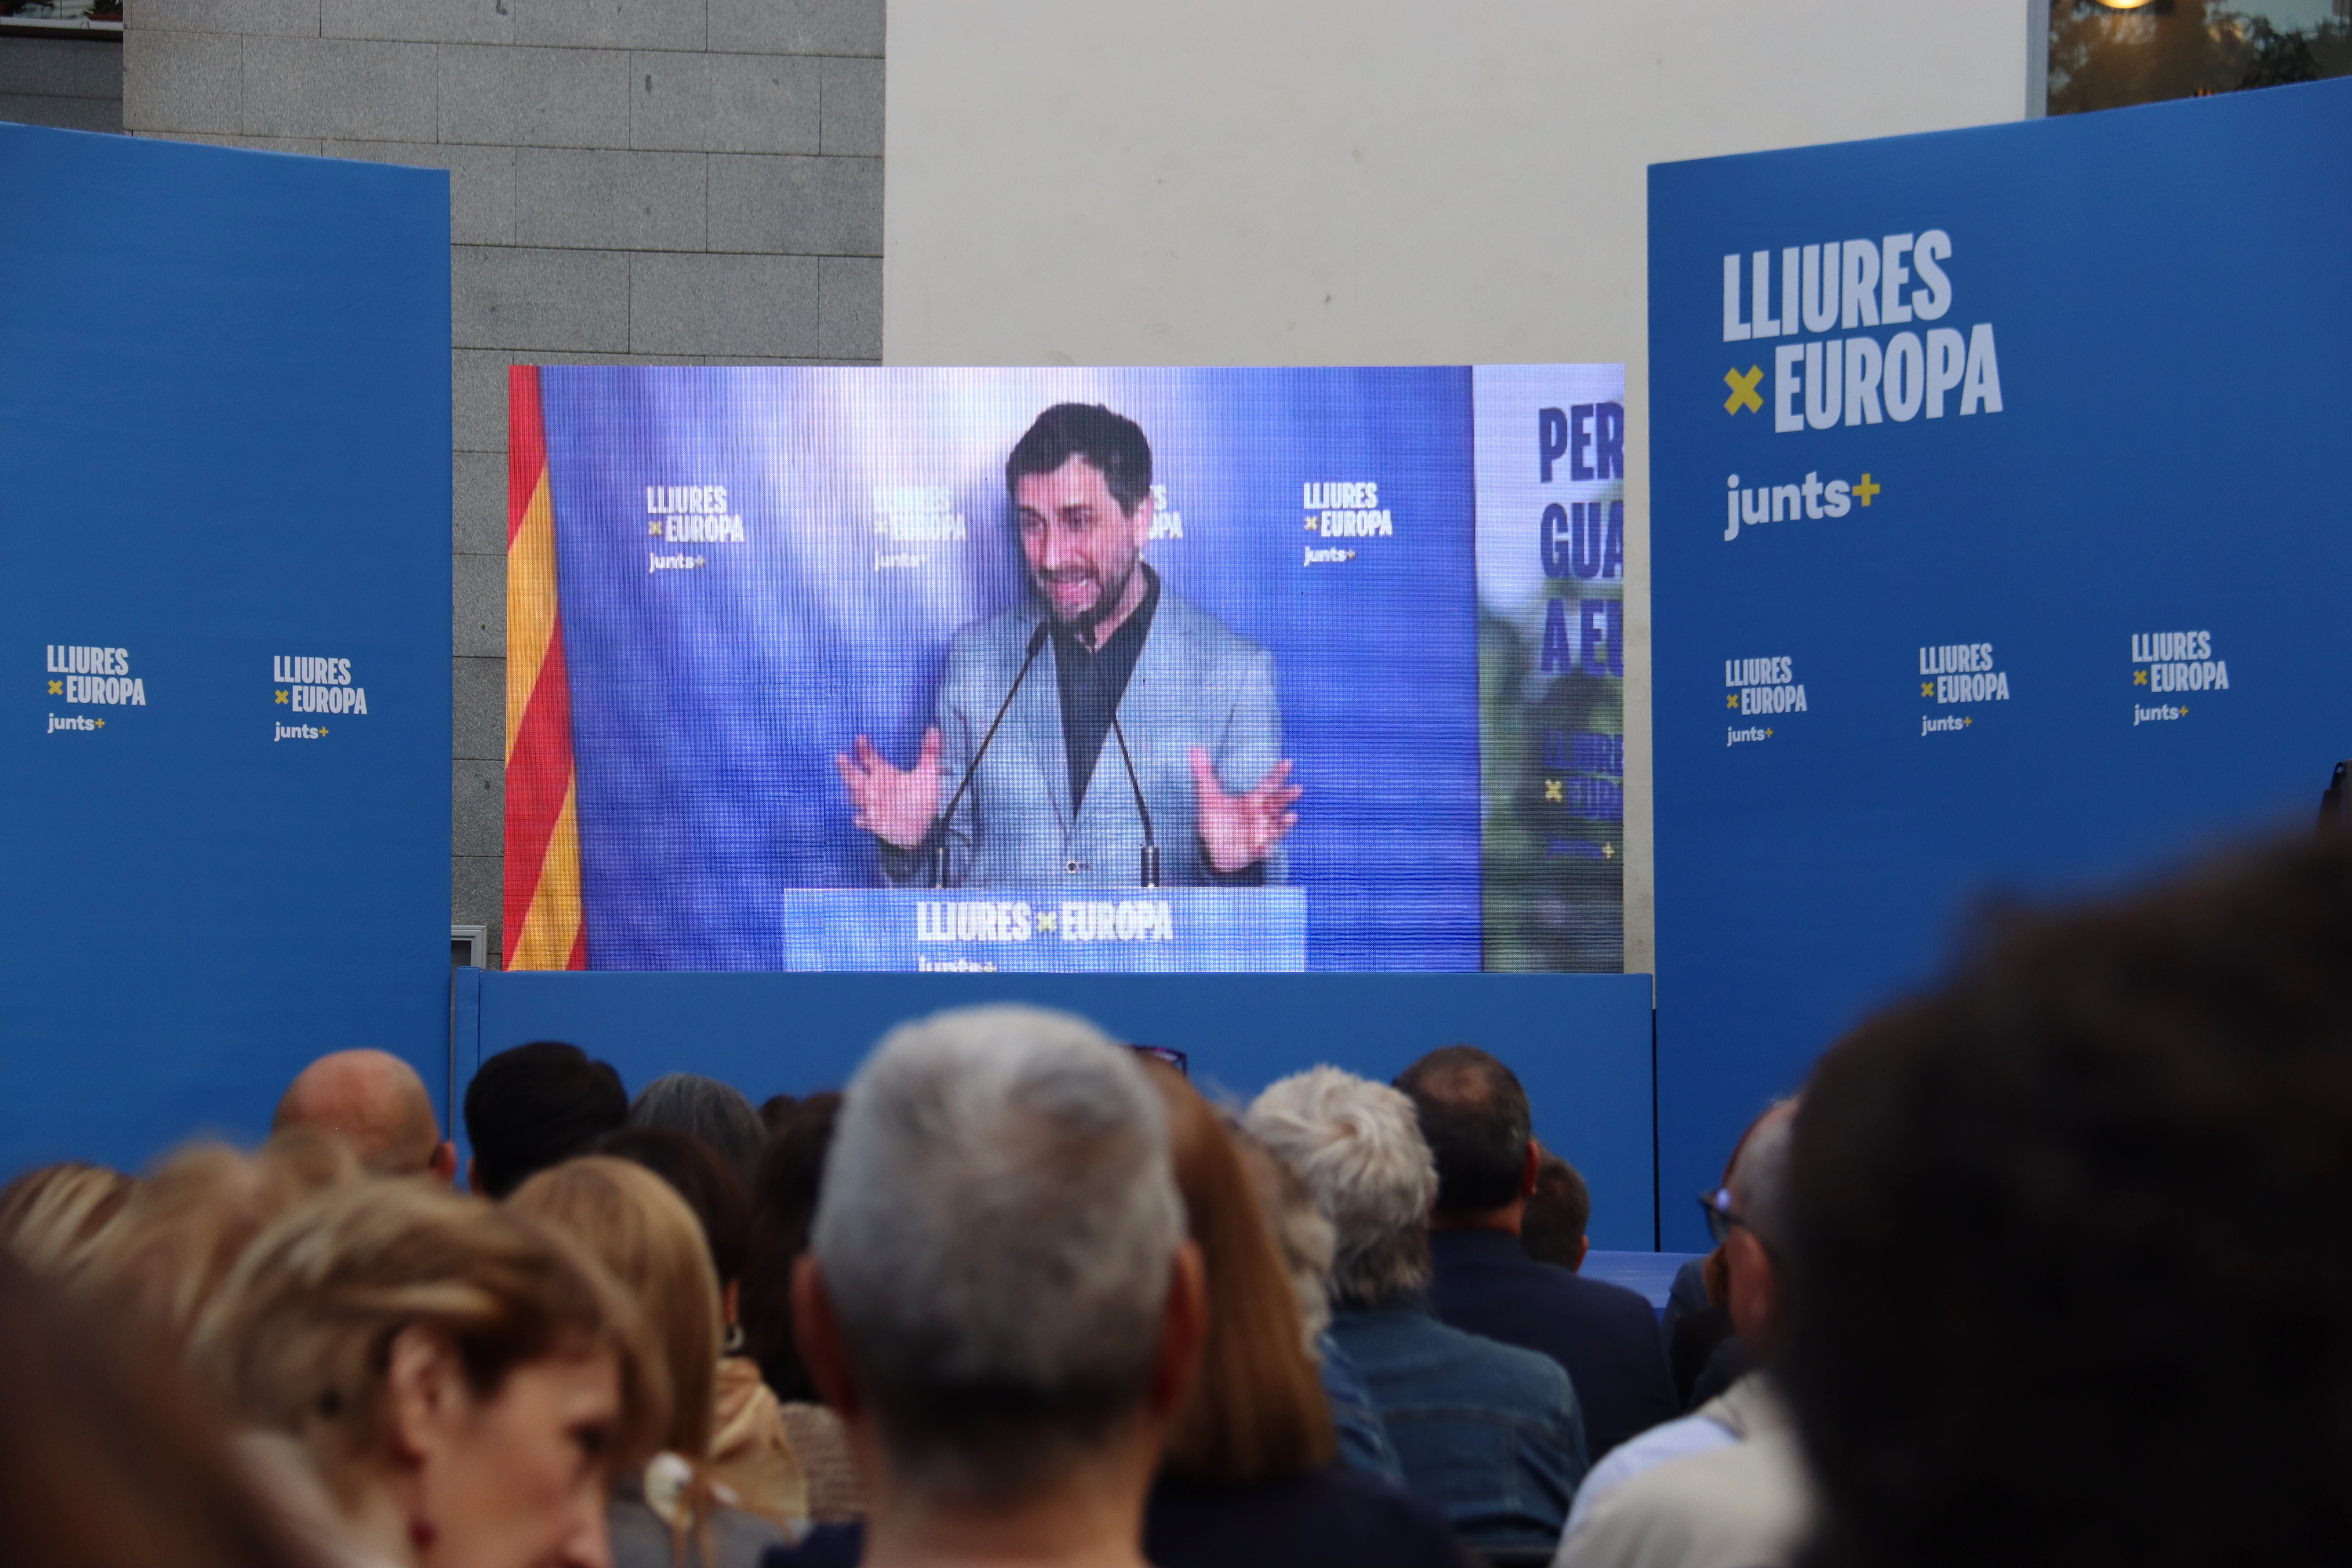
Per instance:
(708,699)
(225,443)
(2058,563)
(1581,1042)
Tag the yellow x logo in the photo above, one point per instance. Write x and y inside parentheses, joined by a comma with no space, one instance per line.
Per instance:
(1551,789)
(1743,390)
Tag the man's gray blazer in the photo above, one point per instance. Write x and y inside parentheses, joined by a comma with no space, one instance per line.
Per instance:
(1195,684)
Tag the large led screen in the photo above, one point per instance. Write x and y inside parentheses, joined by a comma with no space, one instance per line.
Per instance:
(1065,668)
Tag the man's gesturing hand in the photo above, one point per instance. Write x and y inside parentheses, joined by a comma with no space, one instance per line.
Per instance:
(1240,830)
(895,806)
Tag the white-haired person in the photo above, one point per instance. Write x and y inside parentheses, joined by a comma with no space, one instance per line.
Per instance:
(999,1298)
(1488,1432)
(431,1381)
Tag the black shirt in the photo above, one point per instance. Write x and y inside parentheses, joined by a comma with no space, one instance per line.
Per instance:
(1092,683)
(1331,1518)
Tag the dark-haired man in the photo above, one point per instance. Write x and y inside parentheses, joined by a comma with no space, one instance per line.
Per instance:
(1197,703)
(1474,1115)
(536,1106)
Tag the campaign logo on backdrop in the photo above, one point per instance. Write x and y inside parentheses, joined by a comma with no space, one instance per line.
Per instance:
(1167,522)
(1760,686)
(1846,376)
(84,675)
(914,514)
(304,683)
(1812,498)
(1855,379)
(689,514)
(1344,508)
(2173,662)
(1962,673)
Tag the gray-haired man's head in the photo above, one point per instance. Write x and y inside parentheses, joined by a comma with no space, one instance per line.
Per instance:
(1760,1178)
(1357,1146)
(998,1226)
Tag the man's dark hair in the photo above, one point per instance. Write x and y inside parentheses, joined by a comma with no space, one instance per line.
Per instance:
(784,1206)
(699,1177)
(1110,443)
(1553,1228)
(703,1107)
(536,1106)
(2069,1243)
(775,1111)
(1474,1117)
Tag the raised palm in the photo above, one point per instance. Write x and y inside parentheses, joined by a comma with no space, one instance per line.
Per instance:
(896,805)
(1240,830)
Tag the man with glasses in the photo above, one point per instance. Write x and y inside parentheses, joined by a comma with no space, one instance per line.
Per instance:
(1725,1485)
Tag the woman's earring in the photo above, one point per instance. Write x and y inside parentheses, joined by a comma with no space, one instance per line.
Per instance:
(734,1339)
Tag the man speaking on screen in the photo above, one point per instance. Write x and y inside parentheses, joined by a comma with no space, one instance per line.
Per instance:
(1051,803)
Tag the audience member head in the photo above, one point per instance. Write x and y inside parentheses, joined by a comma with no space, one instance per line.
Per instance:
(183,1228)
(1552,1229)
(707,1108)
(464,1380)
(376,1103)
(774,1111)
(1357,1146)
(104,1458)
(1754,1206)
(697,1174)
(52,1217)
(1474,1116)
(1256,1409)
(1305,1236)
(536,1106)
(1000,1299)
(2069,1239)
(783,1208)
(636,1224)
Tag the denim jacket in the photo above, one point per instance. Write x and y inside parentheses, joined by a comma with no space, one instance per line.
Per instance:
(1488,1432)
(1363,1441)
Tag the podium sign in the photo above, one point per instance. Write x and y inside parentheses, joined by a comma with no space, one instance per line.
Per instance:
(1146,931)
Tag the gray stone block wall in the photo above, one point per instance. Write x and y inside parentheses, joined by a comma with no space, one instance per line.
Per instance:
(72,84)
(631,182)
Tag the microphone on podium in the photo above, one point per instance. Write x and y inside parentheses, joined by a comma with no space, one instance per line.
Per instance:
(1150,844)
(972,770)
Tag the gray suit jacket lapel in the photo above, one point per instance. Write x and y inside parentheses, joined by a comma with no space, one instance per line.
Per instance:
(1038,713)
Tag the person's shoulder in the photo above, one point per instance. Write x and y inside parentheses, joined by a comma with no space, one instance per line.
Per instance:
(1203,632)
(1542,1378)
(1602,1296)
(1747,1501)
(991,634)
(1637,1455)
(1333,1515)
(1404,1528)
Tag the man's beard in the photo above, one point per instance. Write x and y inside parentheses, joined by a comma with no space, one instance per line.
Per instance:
(1106,600)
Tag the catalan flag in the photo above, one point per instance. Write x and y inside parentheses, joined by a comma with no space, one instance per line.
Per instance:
(546,925)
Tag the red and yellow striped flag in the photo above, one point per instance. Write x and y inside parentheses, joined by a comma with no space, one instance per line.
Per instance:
(546,926)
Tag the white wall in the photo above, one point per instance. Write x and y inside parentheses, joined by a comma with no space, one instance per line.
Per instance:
(1313,182)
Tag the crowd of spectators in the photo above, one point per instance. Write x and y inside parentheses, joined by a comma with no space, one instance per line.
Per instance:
(2048,1265)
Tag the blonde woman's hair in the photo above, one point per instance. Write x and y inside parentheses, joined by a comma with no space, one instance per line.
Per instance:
(182,1229)
(1257,1410)
(295,1340)
(52,1217)
(637,1225)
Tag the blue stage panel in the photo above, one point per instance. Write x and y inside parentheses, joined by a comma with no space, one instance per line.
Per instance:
(224,739)
(1999,547)
(1581,1042)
